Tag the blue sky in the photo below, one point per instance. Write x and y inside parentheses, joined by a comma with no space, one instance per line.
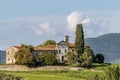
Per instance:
(34,21)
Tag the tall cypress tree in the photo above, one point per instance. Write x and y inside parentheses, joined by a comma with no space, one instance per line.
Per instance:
(79,40)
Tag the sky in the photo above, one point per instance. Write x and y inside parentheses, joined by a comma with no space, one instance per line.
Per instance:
(35,21)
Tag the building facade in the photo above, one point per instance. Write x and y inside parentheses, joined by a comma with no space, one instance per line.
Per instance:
(10,52)
(60,50)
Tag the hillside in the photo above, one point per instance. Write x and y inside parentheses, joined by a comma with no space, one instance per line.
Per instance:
(107,44)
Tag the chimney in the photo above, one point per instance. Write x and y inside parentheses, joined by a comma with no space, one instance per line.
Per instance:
(67,39)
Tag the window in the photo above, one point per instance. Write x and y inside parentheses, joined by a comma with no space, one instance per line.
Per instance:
(8,59)
(62,58)
(54,53)
(59,50)
(65,50)
(72,50)
(8,53)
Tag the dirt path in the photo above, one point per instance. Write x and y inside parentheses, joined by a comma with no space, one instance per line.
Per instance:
(25,68)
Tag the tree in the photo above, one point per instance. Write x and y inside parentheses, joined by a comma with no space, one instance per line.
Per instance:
(99,58)
(71,58)
(79,40)
(49,42)
(50,59)
(41,58)
(86,59)
(24,55)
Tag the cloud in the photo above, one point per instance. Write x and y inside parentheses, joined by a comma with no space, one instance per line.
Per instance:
(44,28)
(75,18)
(31,30)
(35,30)
(92,28)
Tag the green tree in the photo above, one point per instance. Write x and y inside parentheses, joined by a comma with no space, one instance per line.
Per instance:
(79,40)
(49,42)
(99,58)
(41,58)
(71,58)
(24,55)
(50,59)
(86,59)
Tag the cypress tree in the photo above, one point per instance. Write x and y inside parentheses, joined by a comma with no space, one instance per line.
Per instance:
(79,40)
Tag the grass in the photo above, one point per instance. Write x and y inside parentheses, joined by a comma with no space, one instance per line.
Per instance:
(61,75)
(54,75)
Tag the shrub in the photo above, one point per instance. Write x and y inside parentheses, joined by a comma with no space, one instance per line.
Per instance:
(111,73)
(10,77)
(50,59)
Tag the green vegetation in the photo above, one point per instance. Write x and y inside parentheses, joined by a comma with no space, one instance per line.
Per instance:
(4,76)
(85,74)
(50,59)
(71,58)
(55,75)
(24,55)
(86,59)
(79,40)
(84,53)
(111,73)
(48,42)
(99,58)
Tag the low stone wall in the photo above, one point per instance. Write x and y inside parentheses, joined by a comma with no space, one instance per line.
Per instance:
(14,68)
(25,68)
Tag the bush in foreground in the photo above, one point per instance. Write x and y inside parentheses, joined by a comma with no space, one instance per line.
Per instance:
(9,77)
(111,73)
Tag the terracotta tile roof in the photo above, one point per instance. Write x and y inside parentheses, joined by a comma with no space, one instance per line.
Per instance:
(71,45)
(49,47)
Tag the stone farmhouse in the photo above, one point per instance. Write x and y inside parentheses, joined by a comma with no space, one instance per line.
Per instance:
(60,49)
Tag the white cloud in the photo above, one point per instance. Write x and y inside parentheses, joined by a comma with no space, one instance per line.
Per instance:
(44,28)
(75,18)
(35,30)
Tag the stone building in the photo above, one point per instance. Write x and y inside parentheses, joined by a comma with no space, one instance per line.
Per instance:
(10,52)
(60,50)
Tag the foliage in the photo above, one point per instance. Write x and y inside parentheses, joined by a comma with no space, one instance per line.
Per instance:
(41,58)
(111,73)
(71,58)
(55,74)
(50,59)
(4,76)
(99,58)
(79,40)
(47,59)
(48,42)
(86,59)
(24,56)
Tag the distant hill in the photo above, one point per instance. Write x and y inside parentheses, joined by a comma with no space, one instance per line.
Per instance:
(2,57)
(108,44)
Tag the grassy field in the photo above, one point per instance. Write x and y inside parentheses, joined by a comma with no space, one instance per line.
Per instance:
(61,75)
(55,75)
